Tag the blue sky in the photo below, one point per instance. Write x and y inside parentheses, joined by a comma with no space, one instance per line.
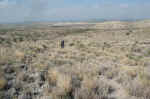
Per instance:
(58,10)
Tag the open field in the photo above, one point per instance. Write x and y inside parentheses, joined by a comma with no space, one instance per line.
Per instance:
(108,60)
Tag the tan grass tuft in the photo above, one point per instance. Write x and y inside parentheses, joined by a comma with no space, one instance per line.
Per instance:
(64,83)
(3,82)
(53,75)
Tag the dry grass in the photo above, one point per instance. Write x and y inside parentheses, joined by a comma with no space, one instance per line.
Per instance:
(93,88)
(3,82)
(137,89)
(99,61)
(64,83)
(53,75)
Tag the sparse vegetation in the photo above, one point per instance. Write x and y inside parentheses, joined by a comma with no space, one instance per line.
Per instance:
(3,82)
(139,90)
(105,60)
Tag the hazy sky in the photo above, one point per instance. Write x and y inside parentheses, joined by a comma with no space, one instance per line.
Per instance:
(57,10)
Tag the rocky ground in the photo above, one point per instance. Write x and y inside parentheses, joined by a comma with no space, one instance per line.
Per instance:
(108,60)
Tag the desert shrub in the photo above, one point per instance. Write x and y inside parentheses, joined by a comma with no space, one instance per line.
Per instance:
(77,31)
(3,82)
(6,56)
(59,80)
(140,87)
(11,56)
(66,86)
(53,76)
(147,53)
(59,62)
(135,88)
(61,85)
(93,89)
(109,72)
(144,77)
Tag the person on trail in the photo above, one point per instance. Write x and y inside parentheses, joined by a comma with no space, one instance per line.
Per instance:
(62,44)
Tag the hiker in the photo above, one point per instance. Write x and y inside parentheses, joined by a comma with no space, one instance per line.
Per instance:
(62,44)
